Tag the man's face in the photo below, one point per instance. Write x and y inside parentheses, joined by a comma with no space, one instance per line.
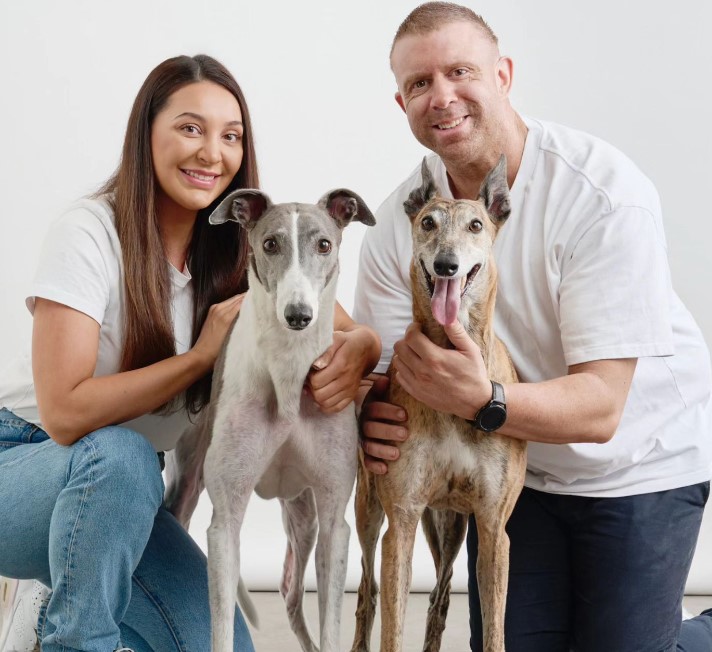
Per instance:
(453,86)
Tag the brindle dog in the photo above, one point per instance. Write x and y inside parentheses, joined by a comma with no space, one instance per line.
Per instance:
(447,468)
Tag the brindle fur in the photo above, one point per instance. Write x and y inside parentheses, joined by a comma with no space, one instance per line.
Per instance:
(447,469)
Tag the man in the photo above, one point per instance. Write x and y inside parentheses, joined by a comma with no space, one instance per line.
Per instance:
(615,392)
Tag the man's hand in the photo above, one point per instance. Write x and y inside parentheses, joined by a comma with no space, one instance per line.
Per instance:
(453,381)
(382,427)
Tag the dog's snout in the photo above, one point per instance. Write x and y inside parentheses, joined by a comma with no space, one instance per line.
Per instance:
(298,316)
(446,265)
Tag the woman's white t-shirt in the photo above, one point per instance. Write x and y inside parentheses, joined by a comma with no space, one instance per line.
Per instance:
(81,267)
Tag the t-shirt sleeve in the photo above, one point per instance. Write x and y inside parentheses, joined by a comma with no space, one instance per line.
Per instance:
(615,288)
(383,298)
(72,268)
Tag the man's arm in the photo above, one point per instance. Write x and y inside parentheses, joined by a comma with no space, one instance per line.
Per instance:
(586,405)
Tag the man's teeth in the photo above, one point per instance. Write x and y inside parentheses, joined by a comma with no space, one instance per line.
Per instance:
(450,125)
(202,177)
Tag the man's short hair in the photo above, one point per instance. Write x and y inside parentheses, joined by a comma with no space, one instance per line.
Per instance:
(431,16)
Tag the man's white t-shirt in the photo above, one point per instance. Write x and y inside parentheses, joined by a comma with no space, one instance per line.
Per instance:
(583,275)
(81,267)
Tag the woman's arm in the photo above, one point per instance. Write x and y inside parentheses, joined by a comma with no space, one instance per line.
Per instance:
(352,356)
(72,402)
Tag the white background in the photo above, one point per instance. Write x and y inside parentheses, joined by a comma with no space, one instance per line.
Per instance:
(316,77)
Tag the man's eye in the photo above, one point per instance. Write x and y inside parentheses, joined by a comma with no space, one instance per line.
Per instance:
(270,246)
(420,84)
(324,247)
(428,223)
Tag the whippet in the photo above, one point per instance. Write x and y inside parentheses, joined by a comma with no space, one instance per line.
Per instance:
(263,432)
(447,468)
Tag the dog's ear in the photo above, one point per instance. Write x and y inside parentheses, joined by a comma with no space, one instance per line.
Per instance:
(495,192)
(421,196)
(346,206)
(244,206)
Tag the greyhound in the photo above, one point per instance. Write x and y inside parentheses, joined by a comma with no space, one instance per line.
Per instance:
(262,431)
(447,468)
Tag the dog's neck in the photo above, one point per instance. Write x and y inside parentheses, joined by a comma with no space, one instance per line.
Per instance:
(477,321)
(287,355)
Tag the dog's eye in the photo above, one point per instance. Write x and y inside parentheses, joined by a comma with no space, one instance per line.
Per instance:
(270,245)
(428,223)
(324,247)
(475,226)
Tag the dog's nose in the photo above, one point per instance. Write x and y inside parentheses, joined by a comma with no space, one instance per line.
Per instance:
(298,316)
(445,265)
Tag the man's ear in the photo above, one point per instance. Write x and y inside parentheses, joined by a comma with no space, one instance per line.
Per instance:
(504,70)
(399,101)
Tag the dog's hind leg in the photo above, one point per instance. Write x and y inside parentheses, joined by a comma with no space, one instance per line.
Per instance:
(396,571)
(369,519)
(300,524)
(184,472)
(445,531)
(332,551)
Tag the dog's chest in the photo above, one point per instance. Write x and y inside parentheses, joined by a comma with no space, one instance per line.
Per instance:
(452,466)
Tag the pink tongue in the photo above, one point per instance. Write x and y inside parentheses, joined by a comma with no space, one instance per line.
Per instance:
(445,303)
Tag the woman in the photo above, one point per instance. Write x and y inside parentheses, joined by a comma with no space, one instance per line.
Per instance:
(132,301)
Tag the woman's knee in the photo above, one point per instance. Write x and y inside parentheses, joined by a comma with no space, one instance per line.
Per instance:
(124,460)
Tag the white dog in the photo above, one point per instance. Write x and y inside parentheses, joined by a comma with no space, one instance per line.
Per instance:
(262,431)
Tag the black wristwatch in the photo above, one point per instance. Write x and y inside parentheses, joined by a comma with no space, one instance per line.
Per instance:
(492,415)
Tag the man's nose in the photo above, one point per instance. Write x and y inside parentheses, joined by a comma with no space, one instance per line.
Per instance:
(442,93)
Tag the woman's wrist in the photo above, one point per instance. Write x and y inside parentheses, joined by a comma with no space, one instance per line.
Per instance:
(371,343)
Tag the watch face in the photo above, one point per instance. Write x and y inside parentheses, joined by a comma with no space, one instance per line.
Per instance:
(493,417)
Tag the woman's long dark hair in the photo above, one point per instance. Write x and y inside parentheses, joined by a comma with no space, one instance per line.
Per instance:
(217,255)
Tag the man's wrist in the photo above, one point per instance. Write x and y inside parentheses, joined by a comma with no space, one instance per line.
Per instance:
(493,413)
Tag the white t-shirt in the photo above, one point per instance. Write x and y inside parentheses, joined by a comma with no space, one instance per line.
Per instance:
(81,267)
(583,275)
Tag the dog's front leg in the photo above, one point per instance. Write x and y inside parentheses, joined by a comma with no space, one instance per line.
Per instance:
(332,551)
(492,576)
(396,570)
(369,519)
(230,480)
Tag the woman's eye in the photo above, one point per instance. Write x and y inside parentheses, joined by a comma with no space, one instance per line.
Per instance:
(475,226)
(428,223)
(233,138)
(324,247)
(270,245)
(191,129)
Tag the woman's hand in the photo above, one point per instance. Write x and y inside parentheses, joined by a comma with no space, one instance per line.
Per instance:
(215,329)
(336,374)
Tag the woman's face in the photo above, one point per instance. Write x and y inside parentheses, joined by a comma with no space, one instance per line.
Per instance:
(196,144)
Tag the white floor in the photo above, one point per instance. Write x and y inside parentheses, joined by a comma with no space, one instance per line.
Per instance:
(275,635)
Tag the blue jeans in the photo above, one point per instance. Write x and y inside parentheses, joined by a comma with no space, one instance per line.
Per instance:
(87,521)
(599,574)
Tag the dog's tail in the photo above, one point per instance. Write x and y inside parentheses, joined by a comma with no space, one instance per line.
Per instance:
(246,604)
